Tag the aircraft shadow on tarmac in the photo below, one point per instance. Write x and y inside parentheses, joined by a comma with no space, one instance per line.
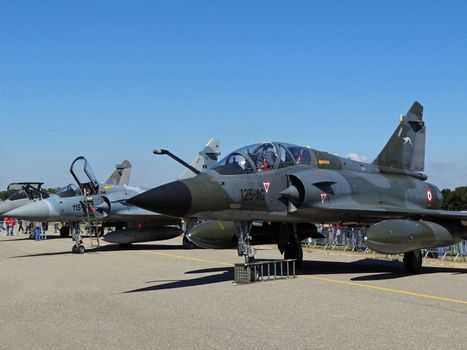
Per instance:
(14,240)
(373,269)
(26,238)
(225,274)
(108,248)
(116,247)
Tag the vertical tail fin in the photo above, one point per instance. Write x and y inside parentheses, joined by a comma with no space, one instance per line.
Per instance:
(406,148)
(205,160)
(121,174)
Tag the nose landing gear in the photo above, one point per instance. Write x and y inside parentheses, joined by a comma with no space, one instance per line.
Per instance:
(244,247)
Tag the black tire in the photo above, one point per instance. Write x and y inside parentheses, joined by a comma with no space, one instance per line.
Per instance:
(73,249)
(290,252)
(187,244)
(81,249)
(299,262)
(413,262)
(294,251)
(64,231)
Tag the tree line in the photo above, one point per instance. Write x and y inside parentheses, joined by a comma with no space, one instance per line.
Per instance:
(455,199)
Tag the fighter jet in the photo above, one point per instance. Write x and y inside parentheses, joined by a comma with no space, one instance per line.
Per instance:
(286,189)
(22,193)
(65,204)
(106,203)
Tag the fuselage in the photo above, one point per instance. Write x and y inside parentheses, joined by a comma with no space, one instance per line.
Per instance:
(292,189)
(109,204)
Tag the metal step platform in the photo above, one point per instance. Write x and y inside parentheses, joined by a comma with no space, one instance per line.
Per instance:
(261,271)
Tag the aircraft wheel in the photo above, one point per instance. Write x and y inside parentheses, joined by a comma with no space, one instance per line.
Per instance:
(64,231)
(299,262)
(187,244)
(413,262)
(294,251)
(81,249)
(289,252)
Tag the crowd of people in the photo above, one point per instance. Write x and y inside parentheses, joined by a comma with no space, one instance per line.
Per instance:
(33,229)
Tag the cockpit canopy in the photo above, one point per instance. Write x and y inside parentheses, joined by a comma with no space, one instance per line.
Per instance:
(68,191)
(263,157)
(23,190)
(84,176)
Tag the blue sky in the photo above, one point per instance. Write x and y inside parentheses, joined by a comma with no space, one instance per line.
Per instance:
(113,80)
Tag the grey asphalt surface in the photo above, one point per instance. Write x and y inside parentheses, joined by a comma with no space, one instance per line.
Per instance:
(161,296)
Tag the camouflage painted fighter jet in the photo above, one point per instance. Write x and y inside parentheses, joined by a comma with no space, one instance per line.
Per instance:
(284,190)
(106,203)
(22,193)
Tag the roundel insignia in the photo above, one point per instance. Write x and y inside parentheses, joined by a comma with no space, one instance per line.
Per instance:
(429,195)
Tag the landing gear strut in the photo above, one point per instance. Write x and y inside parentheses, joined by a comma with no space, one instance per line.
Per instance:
(413,262)
(244,247)
(290,245)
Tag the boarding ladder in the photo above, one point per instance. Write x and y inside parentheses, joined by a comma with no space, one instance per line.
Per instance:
(90,220)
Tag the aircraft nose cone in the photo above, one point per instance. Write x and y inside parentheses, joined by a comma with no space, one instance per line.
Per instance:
(172,199)
(3,208)
(39,211)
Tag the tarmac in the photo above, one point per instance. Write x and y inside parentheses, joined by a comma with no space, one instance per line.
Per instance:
(161,296)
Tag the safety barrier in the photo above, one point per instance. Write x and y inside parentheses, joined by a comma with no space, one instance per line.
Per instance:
(352,239)
(457,252)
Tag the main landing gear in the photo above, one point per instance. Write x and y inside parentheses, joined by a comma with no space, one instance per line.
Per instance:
(290,245)
(294,251)
(186,227)
(413,262)
(187,244)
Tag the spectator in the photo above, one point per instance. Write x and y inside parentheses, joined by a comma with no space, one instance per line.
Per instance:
(37,231)
(28,227)
(2,228)
(9,228)
(338,234)
(12,225)
(20,226)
